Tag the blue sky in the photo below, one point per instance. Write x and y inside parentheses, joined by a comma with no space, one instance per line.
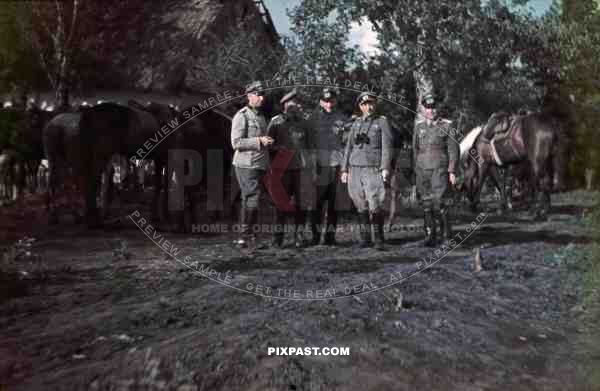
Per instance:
(359,35)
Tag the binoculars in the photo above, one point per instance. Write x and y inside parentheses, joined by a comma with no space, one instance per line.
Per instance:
(361,138)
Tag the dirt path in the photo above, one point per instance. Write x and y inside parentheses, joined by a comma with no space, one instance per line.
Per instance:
(113,311)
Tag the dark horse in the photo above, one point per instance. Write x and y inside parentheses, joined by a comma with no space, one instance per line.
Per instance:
(131,130)
(200,177)
(61,145)
(23,136)
(534,140)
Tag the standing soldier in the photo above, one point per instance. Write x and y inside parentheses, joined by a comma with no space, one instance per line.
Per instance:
(366,167)
(251,158)
(291,135)
(328,124)
(435,154)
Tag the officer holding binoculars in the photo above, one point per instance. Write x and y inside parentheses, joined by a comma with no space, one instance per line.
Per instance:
(366,168)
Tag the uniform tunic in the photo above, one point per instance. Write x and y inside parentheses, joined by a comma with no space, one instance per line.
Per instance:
(435,154)
(251,158)
(292,136)
(369,150)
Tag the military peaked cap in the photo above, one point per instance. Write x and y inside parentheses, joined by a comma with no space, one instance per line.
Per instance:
(328,94)
(254,87)
(289,96)
(428,100)
(366,97)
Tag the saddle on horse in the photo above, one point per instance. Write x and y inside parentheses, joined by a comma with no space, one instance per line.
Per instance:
(506,143)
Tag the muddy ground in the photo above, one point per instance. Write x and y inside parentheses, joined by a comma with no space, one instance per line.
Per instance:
(110,310)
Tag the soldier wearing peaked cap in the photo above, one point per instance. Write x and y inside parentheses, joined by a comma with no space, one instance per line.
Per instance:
(366,167)
(328,124)
(251,158)
(435,154)
(293,140)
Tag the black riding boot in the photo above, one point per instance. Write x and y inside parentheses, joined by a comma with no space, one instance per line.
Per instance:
(315,225)
(278,230)
(364,225)
(430,231)
(299,227)
(243,238)
(377,222)
(331,227)
(445,226)
(248,218)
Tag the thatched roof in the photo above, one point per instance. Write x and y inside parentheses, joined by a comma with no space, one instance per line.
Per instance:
(175,51)
(195,46)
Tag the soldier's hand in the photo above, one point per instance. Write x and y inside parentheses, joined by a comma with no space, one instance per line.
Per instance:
(385,175)
(265,140)
(452,178)
(344,177)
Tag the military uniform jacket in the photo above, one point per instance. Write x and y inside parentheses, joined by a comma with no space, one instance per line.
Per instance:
(329,133)
(247,125)
(378,152)
(433,147)
(293,135)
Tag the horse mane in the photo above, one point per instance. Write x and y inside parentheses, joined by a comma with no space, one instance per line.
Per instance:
(467,143)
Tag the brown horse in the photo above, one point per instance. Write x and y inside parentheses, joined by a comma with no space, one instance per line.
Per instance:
(534,139)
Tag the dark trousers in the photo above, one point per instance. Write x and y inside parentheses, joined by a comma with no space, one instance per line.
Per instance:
(326,191)
(292,182)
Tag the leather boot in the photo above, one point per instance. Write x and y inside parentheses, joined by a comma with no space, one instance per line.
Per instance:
(364,229)
(299,237)
(445,226)
(377,221)
(243,238)
(330,236)
(331,227)
(278,230)
(315,224)
(430,231)
(252,221)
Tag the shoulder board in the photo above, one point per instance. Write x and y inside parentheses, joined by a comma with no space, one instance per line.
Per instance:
(278,118)
(382,117)
(447,121)
(243,109)
(420,120)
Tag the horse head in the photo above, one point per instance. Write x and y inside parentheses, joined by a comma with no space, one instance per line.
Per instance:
(497,123)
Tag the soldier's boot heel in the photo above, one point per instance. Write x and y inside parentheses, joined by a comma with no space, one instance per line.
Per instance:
(430,231)
(365,230)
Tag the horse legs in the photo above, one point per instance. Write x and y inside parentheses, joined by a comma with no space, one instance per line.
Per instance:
(51,192)
(476,196)
(158,181)
(393,200)
(93,183)
(499,184)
